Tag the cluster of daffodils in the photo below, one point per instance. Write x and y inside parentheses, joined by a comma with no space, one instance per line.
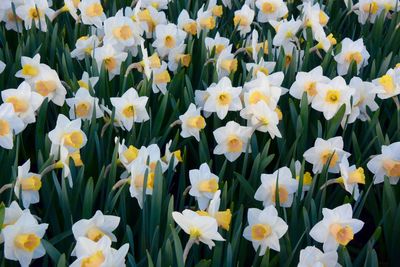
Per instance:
(246,98)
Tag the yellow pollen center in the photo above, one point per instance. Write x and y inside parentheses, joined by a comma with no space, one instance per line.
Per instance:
(260,231)
(20,105)
(229,65)
(371,8)
(27,242)
(139,180)
(342,234)
(332,96)
(208,23)
(224,99)
(94,10)
(357,176)
(392,167)
(123,33)
(219,48)
(94,260)
(235,144)
(307,178)
(311,88)
(169,41)
(32,183)
(356,56)
(95,234)
(329,155)
(191,28)
(74,139)
(240,20)
(34,13)
(45,88)
(162,77)
(387,83)
(283,194)
(4,127)
(268,8)
(110,63)
(129,111)
(209,186)
(197,122)
(82,109)
(224,218)
(257,96)
(131,153)
(194,232)
(217,11)
(29,70)
(323,18)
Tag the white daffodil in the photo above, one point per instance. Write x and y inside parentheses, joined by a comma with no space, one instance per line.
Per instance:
(130,108)
(307,82)
(138,171)
(200,228)
(331,95)
(34,11)
(31,68)
(307,177)
(152,17)
(175,155)
(232,140)
(243,19)
(312,256)
(262,117)
(203,185)
(8,15)
(157,4)
(83,105)
(11,216)
(388,84)
(168,37)
(127,154)
(223,217)
(178,57)
(324,152)
(363,98)
(265,67)
(314,18)
(205,20)
(368,10)
(87,82)
(281,180)
(49,85)
(192,122)
(24,101)
(111,58)
(121,31)
(92,13)
(218,43)
(161,78)
(265,229)
(66,134)
(200,98)
(386,164)
(27,185)
(84,46)
(10,124)
(223,98)
(350,177)
(226,63)
(264,88)
(187,24)
(253,47)
(71,6)
(150,156)
(22,240)
(271,10)
(351,51)
(325,42)
(336,228)
(286,33)
(90,253)
(96,227)
(216,10)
